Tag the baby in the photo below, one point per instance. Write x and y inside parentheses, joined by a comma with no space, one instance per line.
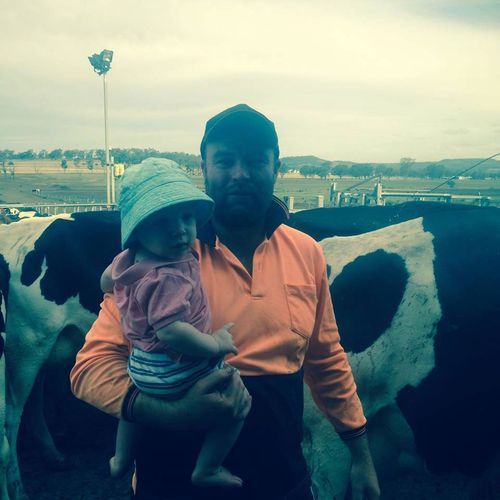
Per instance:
(163,307)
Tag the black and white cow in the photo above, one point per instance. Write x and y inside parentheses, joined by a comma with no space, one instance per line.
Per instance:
(417,301)
(51,268)
(418,308)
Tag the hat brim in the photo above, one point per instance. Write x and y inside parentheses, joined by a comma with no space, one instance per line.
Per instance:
(154,200)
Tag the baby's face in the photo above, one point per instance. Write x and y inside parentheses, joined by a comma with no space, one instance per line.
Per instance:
(169,233)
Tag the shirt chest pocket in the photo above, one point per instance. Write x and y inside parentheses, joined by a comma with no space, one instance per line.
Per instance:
(302,303)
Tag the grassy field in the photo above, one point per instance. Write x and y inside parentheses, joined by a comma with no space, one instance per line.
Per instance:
(83,188)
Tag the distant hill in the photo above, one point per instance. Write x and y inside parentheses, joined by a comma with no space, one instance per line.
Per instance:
(462,163)
(452,166)
(295,162)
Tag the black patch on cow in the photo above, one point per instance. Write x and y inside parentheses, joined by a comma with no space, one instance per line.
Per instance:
(4,291)
(75,252)
(323,223)
(455,411)
(366,296)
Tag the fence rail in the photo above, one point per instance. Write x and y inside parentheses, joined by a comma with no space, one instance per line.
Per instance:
(58,208)
(379,195)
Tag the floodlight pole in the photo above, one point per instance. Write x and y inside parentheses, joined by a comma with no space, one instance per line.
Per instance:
(109,191)
(102,64)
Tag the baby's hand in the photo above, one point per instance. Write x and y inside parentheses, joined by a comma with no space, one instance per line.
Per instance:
(225,340)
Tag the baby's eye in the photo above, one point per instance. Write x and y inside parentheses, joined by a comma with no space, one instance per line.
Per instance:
(159,222)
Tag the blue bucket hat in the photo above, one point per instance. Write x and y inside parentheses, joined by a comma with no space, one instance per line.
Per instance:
(153,185)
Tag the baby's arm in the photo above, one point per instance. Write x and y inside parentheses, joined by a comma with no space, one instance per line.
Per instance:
(106,280)
(187,339)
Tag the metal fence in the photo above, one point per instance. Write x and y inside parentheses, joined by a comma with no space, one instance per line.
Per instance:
(55,209)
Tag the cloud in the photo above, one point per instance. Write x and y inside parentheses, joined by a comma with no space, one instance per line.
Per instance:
(456,131)
(483,13)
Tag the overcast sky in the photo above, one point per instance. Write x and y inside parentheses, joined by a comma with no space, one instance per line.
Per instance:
(342,80)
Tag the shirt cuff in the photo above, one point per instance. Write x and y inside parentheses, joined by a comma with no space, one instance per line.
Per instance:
(128,403)
(353,433)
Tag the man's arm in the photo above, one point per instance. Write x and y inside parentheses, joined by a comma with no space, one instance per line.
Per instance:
(326,368)
(218,397)
(100,378)
(329,375)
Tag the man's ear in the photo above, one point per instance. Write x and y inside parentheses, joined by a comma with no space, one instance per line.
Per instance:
(277,165)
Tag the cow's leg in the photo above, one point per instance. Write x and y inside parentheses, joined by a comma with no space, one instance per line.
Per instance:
(393,444)
(35,423)
(25,355)
(327,457)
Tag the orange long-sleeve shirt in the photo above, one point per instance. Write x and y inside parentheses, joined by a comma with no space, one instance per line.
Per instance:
(283,320)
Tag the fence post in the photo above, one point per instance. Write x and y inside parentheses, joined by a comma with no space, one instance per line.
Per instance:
(379,201)
(321,201)
(333,190)
(291,200)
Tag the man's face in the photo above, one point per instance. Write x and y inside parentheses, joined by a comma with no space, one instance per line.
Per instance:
(240,180)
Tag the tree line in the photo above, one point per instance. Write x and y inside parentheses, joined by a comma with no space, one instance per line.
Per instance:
(407,168)
(91,158)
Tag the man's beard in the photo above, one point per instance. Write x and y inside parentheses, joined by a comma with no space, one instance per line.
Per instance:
(238,217)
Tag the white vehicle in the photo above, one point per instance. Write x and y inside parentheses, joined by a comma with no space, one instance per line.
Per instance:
(22,213)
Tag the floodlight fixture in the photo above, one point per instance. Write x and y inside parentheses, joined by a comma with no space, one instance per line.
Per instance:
(101,62)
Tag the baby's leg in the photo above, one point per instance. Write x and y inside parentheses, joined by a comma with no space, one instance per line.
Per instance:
(127,437)
(217,445)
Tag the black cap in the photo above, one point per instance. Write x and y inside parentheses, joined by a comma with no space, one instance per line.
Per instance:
(241,114)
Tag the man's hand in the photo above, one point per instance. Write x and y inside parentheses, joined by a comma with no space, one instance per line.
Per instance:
(364,482)
(225,340)
(218,397)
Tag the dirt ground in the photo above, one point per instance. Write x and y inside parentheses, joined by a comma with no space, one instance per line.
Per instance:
(54,188)
(86,437)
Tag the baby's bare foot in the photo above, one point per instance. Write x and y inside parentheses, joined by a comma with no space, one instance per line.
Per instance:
(219,477)
(117,467)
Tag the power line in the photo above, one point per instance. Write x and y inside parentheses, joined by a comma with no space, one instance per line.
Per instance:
(463,172)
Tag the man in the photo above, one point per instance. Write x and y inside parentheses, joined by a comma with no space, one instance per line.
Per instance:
(270,281)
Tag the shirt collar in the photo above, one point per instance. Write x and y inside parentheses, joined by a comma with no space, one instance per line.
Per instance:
(276,215)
